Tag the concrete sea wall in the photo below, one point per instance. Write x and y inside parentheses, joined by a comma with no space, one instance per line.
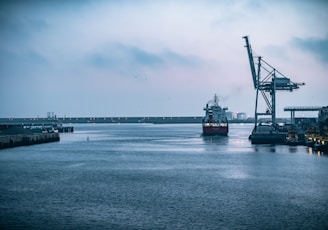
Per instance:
(8,141)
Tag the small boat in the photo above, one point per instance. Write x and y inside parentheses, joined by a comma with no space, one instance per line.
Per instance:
(215,121)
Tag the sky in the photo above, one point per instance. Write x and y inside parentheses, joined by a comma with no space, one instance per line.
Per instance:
(156,58)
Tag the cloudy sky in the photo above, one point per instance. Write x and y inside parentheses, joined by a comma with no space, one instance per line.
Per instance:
(155,58)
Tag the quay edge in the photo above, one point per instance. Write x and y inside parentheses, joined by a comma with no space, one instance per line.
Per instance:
(9,141)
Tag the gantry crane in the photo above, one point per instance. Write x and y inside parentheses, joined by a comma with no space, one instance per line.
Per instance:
(271,82)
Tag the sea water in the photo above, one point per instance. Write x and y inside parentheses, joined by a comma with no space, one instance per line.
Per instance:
(146,176)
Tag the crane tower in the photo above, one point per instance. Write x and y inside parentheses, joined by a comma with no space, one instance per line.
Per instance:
(267,80)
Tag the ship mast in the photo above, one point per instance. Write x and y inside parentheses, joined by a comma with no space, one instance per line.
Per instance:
(216,100)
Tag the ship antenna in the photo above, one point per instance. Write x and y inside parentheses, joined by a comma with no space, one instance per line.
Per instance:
(216,100)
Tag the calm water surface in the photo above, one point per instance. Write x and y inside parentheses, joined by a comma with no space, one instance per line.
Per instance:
(144,176)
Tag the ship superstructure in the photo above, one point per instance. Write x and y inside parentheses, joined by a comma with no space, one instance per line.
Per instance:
(215,121)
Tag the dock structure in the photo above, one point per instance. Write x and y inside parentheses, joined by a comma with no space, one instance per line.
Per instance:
(65,122)
(42,124)
(60,121)
(267,80)
(293,109)
(315,130)
(18,135)
(15,140)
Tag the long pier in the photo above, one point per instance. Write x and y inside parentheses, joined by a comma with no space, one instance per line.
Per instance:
(77,120)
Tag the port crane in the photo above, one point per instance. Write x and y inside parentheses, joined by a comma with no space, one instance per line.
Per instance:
(272,81)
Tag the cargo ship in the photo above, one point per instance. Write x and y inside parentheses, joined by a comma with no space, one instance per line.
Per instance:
(215,121)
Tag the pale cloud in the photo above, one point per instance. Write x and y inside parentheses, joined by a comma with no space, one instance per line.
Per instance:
(316,46)
(143,58)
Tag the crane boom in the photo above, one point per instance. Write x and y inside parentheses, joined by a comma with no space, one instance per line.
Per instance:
(273,81)
(251,61)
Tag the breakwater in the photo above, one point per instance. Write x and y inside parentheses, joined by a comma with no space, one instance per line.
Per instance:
(65,129)
(18,135)
(8,141)
(76,120)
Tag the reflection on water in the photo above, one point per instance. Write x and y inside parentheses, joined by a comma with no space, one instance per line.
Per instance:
(266,147)
(318,153)
(283,149)
(293,149)
(222,140)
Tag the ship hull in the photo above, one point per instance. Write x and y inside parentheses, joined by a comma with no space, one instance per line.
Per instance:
(215,130)
(267,138)
(267,134)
